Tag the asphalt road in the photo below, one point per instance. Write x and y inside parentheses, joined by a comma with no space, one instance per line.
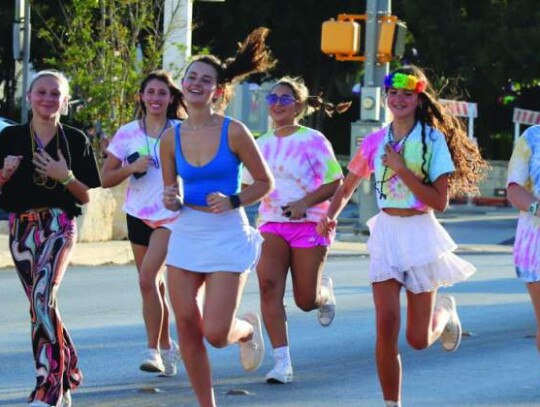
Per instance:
(497,365)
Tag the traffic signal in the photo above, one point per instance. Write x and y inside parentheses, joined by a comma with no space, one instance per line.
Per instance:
(341,37)
(391,39)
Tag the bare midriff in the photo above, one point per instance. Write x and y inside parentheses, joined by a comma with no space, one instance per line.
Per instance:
(402,212)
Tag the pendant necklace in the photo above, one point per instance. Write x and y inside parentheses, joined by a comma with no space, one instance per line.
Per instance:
(41,179)
(399,147)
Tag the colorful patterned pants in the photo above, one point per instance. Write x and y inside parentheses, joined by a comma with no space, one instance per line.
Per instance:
(41,242)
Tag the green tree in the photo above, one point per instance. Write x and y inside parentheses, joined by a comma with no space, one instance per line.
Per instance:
(487,49)
(105,47)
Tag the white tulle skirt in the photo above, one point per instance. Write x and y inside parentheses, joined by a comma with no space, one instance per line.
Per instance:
(416,251)
(205,242)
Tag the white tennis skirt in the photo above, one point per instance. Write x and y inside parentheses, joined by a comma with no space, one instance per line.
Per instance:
(414,250)
(205,242)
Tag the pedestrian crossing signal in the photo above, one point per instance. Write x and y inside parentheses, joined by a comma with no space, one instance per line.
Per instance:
(391,39)
(341,37)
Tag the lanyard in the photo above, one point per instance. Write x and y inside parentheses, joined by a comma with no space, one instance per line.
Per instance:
(155,158)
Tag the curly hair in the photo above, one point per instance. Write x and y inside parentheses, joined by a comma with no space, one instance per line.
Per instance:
(253,56)
(471,168)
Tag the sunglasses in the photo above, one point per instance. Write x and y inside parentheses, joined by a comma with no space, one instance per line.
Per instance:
(284,100)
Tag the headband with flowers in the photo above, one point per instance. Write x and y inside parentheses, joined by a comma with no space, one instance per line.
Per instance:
(398,80)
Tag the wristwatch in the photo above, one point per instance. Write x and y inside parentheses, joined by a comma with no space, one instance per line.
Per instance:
(533,208)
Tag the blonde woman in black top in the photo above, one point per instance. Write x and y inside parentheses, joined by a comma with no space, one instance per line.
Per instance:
(47,171)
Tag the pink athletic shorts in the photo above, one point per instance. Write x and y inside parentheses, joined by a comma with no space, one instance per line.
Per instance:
(297,234)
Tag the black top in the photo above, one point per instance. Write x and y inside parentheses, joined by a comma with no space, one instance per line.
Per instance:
(21,193)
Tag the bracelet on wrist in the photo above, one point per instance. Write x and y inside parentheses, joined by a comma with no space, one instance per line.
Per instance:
(69,179)
(533,208)
(235,201)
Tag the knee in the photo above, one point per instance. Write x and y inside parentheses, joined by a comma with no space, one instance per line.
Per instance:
(268,290)
(388,326)
(216,336)
(147,283)
(305,304)
(417,340)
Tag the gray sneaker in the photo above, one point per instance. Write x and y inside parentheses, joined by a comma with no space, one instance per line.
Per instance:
(170,357)
(451,335)
(327,311)
(252,351)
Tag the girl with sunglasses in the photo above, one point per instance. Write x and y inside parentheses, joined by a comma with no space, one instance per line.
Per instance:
(133,154)
(419,160)
(307,174)
(48,169)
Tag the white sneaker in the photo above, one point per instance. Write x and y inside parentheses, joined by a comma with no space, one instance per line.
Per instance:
(451,335)
(152,361)
(170,357)
(327,311)
(66,399)
(252,351)
(281,373)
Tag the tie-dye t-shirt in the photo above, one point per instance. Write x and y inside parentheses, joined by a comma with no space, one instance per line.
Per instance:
(390,190)
(524,170)
(300,164)
(144,195)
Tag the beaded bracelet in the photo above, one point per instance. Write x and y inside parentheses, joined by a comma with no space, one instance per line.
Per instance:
(69,179)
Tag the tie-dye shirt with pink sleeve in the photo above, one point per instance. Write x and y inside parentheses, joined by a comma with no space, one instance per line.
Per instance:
(144,195)
(524,170)
(300,164)
(390,190)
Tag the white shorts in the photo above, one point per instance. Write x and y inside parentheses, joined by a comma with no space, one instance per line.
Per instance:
(205,242)
(414,250)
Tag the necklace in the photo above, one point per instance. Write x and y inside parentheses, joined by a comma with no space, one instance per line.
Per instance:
(194,127)
(284,127)
(399,147)
(155,158)
(41,179)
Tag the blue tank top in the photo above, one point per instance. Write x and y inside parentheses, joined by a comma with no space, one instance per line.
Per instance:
(221,174)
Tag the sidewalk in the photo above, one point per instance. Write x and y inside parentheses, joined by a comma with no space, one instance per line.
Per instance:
(347,244)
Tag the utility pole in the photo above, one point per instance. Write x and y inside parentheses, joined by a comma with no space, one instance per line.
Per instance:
(25,5)
(373,113)
(177,26)
(21,48)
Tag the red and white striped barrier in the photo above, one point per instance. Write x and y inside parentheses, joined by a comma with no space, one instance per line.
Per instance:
(462,109)
(526,117)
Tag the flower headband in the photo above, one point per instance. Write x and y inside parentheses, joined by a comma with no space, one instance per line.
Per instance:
(398,80)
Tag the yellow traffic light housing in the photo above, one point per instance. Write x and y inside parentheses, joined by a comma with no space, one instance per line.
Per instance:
(391,39)
(341,37)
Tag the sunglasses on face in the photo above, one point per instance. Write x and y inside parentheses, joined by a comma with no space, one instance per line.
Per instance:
(284,100)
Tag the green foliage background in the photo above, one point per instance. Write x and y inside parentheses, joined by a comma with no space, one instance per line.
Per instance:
(484,51)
